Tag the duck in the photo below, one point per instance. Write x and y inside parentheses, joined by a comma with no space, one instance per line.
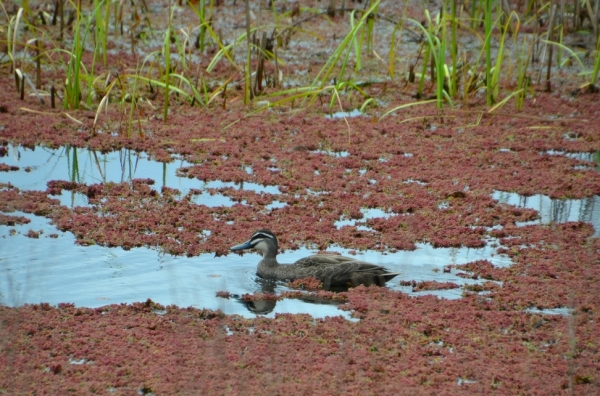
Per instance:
(331,269)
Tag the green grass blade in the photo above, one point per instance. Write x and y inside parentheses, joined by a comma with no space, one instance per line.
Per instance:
(404,106)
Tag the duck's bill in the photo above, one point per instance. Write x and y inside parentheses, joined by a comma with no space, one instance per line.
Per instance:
(242,246)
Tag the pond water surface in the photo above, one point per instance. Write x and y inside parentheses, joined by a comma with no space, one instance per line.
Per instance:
(55,269)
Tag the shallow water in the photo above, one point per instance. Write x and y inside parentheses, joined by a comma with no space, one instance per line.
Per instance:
(556,210)
(551,311)
(45,164)
(345,114)
(57,270)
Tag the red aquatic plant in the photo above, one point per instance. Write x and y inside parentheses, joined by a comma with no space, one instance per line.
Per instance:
(309,283)
(223,294)
(429,285)
(8,168)
(33,234)
(260,296)
(13,220)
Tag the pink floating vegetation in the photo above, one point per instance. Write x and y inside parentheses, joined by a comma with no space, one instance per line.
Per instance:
(33,234)
(8,168)
(257,296)
(418,343)
(309,283)
(8,220)
(429,285)
(223,294)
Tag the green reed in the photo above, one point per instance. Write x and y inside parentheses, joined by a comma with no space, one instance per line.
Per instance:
(75,69)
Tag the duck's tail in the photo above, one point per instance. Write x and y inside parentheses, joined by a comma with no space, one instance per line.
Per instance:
(372,278)
(383,278)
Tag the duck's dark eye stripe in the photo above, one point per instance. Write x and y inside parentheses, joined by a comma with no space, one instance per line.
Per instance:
(262,234)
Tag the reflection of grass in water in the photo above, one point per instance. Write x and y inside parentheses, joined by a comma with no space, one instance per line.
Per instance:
(17,287)
(73,164)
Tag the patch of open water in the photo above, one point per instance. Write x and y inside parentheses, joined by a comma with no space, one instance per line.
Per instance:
(551,311)
(345,114)
(55,269)
(556,210)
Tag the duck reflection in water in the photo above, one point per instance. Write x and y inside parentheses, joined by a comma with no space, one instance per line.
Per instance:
(263,305)
(337,273)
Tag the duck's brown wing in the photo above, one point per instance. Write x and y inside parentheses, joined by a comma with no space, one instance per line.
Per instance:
(331,273)
(324,259)
(334,269)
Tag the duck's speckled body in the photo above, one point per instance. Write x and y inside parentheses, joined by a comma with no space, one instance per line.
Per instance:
(331,269)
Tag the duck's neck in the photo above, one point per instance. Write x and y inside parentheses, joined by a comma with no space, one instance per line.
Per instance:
(269,260)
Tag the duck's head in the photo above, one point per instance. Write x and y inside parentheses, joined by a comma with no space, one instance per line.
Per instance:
(262,240)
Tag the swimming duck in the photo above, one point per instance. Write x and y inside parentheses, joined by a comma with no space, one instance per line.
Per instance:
(331,269)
